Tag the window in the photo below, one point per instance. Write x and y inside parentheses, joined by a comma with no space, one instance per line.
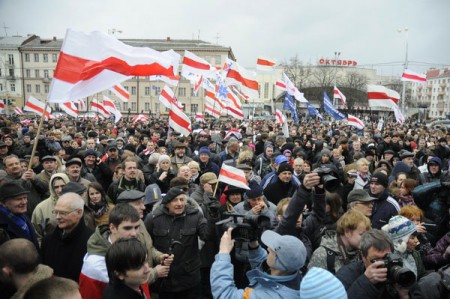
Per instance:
(11,72)
(46,88)
(11,58)
(27,73)
(218,59)
(266,90)
(28,87)
(133,106)
(182,91)
(27,57)
(1,87)
(125,106)
(13,87)
(157,107)
(133,89)
(147,90)
(147,106)
(38,88)
(126,88)
(118,106)
(194,108)
(45,57)
(157,90)
(46,74)
(36,57)
(54,57)
(36,73)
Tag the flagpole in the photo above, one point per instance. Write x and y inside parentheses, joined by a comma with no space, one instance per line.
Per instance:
(41,123)
(405,30)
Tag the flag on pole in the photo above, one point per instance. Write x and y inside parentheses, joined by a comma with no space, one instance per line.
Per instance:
(398,115)
(179,121)
(121,92)
(339,95)
(409,75)
(234,112)
(289,104)
(265,64)
(171,80)
(214,101)
(92,62)
(233,176)
(111,108)
(243,78)
(380,96)
(233,99)
(280,118)
(292,90)
(81,105)
(192,64)
(197,85)
(212,110)
(280,85)
(36,106)
(238,93)
(313,111)
(330,109)
(69,108)
(355,122)
(199,117)
(166,97)
(18,111)
(2,105)
(140,117)
(96,106)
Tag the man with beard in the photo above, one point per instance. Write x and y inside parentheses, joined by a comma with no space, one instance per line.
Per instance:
(179,158)
(284,186)
(94,165)
(128,181)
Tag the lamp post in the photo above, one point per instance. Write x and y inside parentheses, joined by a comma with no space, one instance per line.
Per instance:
(113,31)
(336,58)
(404,30)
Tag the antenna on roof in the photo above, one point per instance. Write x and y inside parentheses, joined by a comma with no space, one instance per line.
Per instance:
(198,36)
(4,28)
(217,38)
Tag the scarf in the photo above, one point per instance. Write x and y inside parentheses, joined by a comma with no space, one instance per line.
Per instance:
(19,220)
(99,209)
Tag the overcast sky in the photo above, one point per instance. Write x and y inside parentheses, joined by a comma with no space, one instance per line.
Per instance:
(365,31)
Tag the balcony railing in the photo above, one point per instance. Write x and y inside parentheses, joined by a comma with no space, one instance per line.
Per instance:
(11,78)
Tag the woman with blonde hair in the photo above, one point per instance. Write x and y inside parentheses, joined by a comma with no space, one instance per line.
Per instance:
(163,174)
(363,174)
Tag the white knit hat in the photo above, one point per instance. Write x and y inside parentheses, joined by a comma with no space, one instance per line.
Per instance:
(400,229)
(319,283)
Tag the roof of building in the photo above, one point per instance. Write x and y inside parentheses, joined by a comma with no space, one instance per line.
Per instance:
(13,42)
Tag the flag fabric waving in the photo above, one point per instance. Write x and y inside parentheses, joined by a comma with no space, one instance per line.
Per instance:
(265,64)
(409,75)
(398,114)
(313,111)
(197,86)
(234,112)
(339,95)
(380,96)
(199,117)
(121,92)
(289,104)
(96,106)
(280,85)
(330,109)
(36,106)
(192,64)
(355,122)
(111,108)
(179,121)
(280,118)
(233,176)
(139,117)
(81,105)
(292,90)
(92,62)
(2,105)
(171,80)
(69,108)
(18,111)
(212,110)
(246,80)
(166,97)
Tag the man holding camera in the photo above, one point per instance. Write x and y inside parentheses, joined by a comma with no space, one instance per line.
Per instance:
(379,273)
(95,166)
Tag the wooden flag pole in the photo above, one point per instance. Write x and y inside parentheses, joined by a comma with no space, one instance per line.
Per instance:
(36,139)
(215,189)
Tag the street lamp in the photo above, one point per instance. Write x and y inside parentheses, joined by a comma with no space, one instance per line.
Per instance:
(113,31)
(336,58)
(404,30)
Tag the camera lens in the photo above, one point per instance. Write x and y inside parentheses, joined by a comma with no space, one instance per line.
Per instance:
(330,182)
(403,276)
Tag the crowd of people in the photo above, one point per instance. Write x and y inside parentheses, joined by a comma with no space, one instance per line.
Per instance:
(134,210)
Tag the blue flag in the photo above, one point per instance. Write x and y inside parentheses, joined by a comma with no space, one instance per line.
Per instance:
(313,111)
(330,109)
(289,104)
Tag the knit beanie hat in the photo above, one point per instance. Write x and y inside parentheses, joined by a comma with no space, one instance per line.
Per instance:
(400,229)
(204,150)
(285,167)
(319,283)
(380,178)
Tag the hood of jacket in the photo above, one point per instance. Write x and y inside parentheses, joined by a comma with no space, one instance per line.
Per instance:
(61,176)
(98,243)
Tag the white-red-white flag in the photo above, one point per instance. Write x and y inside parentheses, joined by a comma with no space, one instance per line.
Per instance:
(197,85)
(214,101)
(246,80)
(140,117)
(111,108)
(2,105)
(380,96)
(36,106)
(171,80)
(92,62)
(213,111)
(233,176)
(398,114)
(265,64)
(81,105)
(96,106)
(179,121)
(199,117)
(238,93)
(121,93)
(69,108)
(292,90)
(280,85)
(192,64)
(18,111)
(280,118)
(355,122)
(409,75)
(339,95)
(167,97)
(234,112)
(233,99)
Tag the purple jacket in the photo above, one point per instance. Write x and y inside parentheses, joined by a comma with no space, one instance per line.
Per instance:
(435,258)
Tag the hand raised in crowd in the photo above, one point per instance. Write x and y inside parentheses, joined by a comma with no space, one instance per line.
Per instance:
(421,229)
(257,209)
(163,176)
(166,259)
(163,271)
(311,180)
(208,188)
(376,274)
(226,243)
(29,175)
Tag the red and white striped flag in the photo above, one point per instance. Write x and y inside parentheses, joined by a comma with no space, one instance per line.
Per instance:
(81,105)
(339,95)
(380,96)
(171,80)
(167,97)
(121,92)
(214,101)
(2,105)
(280,118)
(179,121)
(111,108)
(199,117)
(140,117)
(212,110)
(234,112)
(96,106)
(265,64)
(243,78)
(280,85)
(240,94)
(409,75)
(197,85)
(355,122)
(192,64)
(69,108)
(236,102)
(92,62)
(398,115)
(233,176)
(292,90)
(18,111)
(36,106)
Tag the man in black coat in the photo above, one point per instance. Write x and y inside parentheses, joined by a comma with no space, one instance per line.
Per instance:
(64,249)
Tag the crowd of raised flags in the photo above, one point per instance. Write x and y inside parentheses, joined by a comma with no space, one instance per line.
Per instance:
(94,62)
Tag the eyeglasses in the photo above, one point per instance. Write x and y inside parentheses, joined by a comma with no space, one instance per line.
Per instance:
(63,213)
